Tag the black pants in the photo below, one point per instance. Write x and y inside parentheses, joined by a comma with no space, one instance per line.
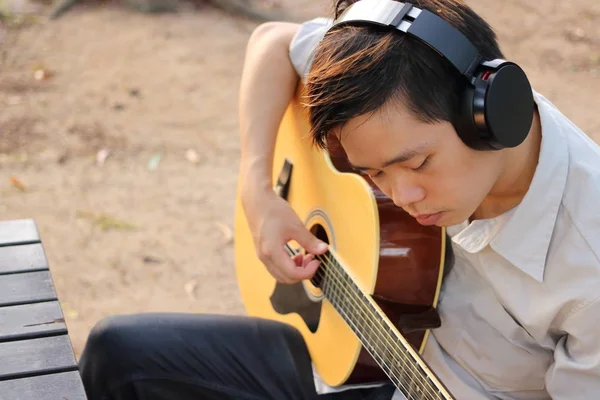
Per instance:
(201,357)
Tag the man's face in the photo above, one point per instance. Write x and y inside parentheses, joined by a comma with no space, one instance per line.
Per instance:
(424,168)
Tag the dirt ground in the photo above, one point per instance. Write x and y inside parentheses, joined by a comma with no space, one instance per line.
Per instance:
(148,228)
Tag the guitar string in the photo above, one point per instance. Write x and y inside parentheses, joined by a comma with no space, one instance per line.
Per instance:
(402,367)
(407,375)
(379,321)
(392,372)
(426,389)
(407,379)
(408,367)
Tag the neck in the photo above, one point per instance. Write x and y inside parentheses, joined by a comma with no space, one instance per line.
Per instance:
(518,168)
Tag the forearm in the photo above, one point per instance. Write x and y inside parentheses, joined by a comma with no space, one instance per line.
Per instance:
(268,83)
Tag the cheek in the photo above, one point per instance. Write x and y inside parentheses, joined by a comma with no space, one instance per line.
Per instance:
(450,189)
(464,183)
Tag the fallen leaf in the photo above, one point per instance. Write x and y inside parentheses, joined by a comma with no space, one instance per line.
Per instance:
(226,231)
(69,311)
(192,156)
(38,65)
(13,158)
(41,74)
(16,182)
(105,222)
(101,156)
(154,161)
(190,288)
(151,260)
(64,157)
(576,34)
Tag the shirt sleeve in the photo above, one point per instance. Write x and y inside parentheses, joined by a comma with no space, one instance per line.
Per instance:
(305,42)
(575,372)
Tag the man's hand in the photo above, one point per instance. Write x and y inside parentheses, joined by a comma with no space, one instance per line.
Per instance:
(273,223)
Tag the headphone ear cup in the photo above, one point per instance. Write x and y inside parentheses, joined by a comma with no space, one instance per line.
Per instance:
(464,122)
(507,106)
(497,110)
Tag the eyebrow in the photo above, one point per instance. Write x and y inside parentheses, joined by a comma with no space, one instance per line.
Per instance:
(405,155)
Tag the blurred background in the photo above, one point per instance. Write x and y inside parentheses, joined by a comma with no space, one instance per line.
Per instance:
(119,135)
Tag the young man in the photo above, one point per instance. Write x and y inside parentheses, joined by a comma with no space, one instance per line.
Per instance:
(520,308)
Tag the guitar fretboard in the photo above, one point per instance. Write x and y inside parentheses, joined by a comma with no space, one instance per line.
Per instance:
(379,337)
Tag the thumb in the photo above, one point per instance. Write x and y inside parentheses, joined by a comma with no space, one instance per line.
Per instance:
(310,242)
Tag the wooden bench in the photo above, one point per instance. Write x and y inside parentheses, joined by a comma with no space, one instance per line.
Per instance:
(36,357)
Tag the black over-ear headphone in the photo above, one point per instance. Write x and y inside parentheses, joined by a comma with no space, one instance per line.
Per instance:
(496,109)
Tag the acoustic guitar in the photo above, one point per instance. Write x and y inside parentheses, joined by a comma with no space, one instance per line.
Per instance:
(367,312)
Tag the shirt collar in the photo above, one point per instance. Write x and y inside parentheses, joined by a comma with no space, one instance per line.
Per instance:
(475,236)
(524,239)
(522,235)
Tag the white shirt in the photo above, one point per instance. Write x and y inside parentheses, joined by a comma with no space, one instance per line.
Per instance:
(520,308)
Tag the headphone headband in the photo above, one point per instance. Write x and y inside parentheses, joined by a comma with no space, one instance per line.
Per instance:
(422,24)
(496,101)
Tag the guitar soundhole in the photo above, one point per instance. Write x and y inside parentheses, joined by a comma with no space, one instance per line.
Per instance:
(319,231)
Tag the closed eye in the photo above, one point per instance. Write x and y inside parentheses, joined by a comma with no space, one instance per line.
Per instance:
(374,175)
(417,169)
(423,164)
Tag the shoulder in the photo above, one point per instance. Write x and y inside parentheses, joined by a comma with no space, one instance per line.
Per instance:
(573,259)
(305,42)
(581,197)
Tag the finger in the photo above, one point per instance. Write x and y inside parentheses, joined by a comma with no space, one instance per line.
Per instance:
(309,241)
(307,259)
(298,259)
(285,265)
(312,268)
(305,272)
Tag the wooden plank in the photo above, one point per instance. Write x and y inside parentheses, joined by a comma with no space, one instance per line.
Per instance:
(65,385)
(23,258)
(19,231)
(31,321)
(23,358)
(30,287)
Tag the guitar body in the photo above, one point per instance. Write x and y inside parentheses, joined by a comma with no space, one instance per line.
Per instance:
(389,255)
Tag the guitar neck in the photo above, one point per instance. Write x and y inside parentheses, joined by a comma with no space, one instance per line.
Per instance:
(402,364)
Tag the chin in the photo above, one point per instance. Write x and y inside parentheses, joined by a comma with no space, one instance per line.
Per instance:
(450,219)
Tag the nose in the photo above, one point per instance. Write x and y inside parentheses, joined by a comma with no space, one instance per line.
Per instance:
(406,193)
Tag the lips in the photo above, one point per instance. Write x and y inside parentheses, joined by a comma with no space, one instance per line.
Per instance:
(428,219)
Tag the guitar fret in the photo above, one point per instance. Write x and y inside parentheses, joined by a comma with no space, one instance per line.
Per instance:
(394,359)
(371,348)
(387,354)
